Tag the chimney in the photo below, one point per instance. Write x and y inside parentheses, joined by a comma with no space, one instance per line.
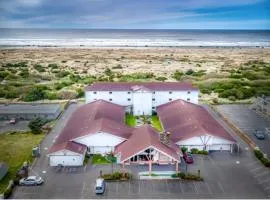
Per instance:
(165,137)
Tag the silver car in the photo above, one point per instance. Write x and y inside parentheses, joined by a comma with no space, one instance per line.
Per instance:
(31,180)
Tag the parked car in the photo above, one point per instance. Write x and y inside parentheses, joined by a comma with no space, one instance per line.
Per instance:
(188,158)
(100,186)
(12,121)
(259,135)
(31,180)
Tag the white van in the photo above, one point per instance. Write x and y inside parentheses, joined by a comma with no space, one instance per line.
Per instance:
(100,186)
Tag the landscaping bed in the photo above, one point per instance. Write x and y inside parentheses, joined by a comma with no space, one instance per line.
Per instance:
(117,176)
(16,148)
(156,123)
(130,120)
(265,161)
(99,159)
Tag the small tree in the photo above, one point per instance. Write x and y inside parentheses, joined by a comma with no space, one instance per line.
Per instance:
(36,124)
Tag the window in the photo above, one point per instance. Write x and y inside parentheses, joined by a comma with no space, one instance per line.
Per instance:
(154,92)
(188,92)
(110,99)
(128,92)
(128,99)
(153,99)
(94,92)
(110,92)
(95,99)
(170,99)
(153,107)
(188,99)
(170,92)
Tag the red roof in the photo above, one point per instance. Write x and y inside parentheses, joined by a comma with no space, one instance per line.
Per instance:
(94,117)
(129,86)
(142,138)
(71,146)
(186,120)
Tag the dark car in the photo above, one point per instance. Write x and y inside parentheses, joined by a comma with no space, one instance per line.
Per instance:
(259,135)
(188,158)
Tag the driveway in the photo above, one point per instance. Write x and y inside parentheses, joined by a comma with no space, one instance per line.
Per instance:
(247,120)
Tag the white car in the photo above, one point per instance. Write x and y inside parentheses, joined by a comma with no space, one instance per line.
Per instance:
(31,180)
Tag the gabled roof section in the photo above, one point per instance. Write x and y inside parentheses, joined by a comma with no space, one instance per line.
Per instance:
(140,87)
(70,146)
(127,86)
(93,117)
(141,138)
(186,120)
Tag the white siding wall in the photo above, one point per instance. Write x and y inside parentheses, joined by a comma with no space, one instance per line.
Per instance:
(66,158)
(117,97)
(162,97)
(130,98)
(100,142)
(142,103)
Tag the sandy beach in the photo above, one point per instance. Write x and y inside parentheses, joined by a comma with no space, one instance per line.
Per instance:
(160,61)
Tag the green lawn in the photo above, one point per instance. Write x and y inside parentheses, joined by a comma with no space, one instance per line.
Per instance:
(99,159)
(130,120)
(14,150)
(156,123)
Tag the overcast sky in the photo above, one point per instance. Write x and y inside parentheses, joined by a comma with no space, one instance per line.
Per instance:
(145,14)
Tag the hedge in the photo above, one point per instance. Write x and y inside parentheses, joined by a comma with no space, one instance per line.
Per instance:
(261,157)
(117,176)
(187,176)
(197,151)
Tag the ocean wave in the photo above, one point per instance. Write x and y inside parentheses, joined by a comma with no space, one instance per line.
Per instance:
(83,42)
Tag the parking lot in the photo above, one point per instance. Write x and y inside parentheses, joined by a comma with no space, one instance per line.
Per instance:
(224,178)
(247,120)
(19,126)
(225,175)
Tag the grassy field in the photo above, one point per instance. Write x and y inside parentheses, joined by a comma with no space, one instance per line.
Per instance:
(99,159)
(156,123)
(130,120)
(14,150)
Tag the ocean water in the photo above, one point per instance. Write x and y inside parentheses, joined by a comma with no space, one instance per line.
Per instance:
(132,38)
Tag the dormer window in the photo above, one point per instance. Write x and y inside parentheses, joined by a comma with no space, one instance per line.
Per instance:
(128,99)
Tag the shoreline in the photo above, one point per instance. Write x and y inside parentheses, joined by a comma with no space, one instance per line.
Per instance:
(132,47)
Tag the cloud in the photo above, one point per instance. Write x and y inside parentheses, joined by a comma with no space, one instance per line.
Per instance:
(112,13)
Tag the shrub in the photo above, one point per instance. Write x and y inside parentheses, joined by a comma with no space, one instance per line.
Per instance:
(117,67)
(53,66)
(7,193)
(67,94)
(80,93)
(36,124)
(36,93)
(184,149)
(74,78)
(62,74)
(39,68)
(258,154)
(261,157)
(117,176)
(51,95)
(232,98)
(16,65)
(194,151)
(189,72)
(177,75)
(161,78)
(3,74)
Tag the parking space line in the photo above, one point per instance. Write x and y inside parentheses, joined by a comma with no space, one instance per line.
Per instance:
(117,186)
(139,187)
(220,186)
(129,188)
(83,188)
(260,182)
(261,174)
(182,190)
(167,186)
(251,164)
(267,188)
(258,168)
(195,188)
(209,189)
